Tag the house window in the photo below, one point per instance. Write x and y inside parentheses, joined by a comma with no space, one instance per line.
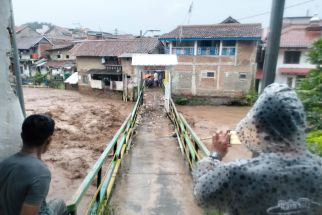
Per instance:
(67,56)
(292,57)
(206,74)
(242,76)
(183,47)
(228,48)
(58,56)
(208,47)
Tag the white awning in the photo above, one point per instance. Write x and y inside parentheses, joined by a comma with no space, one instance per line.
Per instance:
(154,60)
(73,79)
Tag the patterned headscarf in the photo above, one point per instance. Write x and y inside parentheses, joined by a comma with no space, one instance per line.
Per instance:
(276,123)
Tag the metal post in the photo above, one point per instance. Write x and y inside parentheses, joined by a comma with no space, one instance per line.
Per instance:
(16,62)
(273,43)
(141,51)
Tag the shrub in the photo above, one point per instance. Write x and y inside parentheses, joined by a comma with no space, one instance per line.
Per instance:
(314,142)
(181,101)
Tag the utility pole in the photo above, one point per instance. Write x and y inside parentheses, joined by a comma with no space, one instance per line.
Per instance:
(273,43)
(141,41)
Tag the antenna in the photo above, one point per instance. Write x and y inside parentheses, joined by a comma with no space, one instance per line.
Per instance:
(188,17)
(190,12)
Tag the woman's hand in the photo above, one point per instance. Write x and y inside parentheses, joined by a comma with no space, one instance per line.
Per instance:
(221,142)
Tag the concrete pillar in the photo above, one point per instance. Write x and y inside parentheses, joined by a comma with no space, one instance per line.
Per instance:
(170,47)
(195,48)
(220,48)
(167,89)
(11,115)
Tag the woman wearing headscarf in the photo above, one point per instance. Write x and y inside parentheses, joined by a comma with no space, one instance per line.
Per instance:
(283,178)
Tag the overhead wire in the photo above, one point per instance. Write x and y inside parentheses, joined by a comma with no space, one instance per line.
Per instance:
(268,12)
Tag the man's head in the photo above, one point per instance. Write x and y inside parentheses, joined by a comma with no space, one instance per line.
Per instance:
(276,123)
(37,131)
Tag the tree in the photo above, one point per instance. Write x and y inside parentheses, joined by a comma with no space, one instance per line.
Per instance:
(310,92)
(310,88)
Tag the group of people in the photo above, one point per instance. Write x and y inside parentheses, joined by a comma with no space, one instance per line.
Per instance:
(283,177)
(153,79)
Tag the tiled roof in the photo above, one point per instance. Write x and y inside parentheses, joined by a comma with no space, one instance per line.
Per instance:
(297,36)
(115,47)
(297,71)
(60,63)
(61,46)
(233,30)
(27,42)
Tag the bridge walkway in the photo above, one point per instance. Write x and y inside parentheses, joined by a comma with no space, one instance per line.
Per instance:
(153,177)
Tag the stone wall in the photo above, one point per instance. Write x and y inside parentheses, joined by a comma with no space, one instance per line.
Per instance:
(87,90)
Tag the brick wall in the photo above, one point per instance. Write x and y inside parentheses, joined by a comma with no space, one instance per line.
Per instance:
(216,76)
(127,67)
(43,47)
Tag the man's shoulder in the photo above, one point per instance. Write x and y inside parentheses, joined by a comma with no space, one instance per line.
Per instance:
(27,163)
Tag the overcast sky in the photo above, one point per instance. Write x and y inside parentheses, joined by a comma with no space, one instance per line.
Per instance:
(130,16)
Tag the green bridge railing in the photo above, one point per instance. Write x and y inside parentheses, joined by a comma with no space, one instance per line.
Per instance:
(116,147)
(190,144)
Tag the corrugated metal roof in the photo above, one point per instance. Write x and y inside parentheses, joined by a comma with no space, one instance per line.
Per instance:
(154,60)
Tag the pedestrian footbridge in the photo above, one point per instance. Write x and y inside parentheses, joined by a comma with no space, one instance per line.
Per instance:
(146,167)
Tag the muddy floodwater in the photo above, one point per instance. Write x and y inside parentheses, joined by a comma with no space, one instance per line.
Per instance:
(84,125)
(206,120)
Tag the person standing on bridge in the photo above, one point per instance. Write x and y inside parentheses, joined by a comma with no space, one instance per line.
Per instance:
(24,177)
(284,178)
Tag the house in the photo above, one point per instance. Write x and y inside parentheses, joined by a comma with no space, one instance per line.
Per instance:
(58,35)
(297,37)
(105,65)
(32,47)
(60,61)
(98,35)
(214,61)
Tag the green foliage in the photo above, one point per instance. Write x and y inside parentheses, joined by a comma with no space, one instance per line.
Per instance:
(315,54)
(314,142)
(39,78)
(212,212)
(251,97)
(310,89)
(181,101)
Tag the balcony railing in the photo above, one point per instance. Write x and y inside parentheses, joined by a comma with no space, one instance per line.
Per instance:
(208,51)
(228,51)
(181,50)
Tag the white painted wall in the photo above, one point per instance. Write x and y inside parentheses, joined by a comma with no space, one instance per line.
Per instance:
(282,79)
(96,84)
(11,116)
(118,85)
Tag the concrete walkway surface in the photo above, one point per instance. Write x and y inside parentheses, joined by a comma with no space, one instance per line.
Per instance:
(154,178)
